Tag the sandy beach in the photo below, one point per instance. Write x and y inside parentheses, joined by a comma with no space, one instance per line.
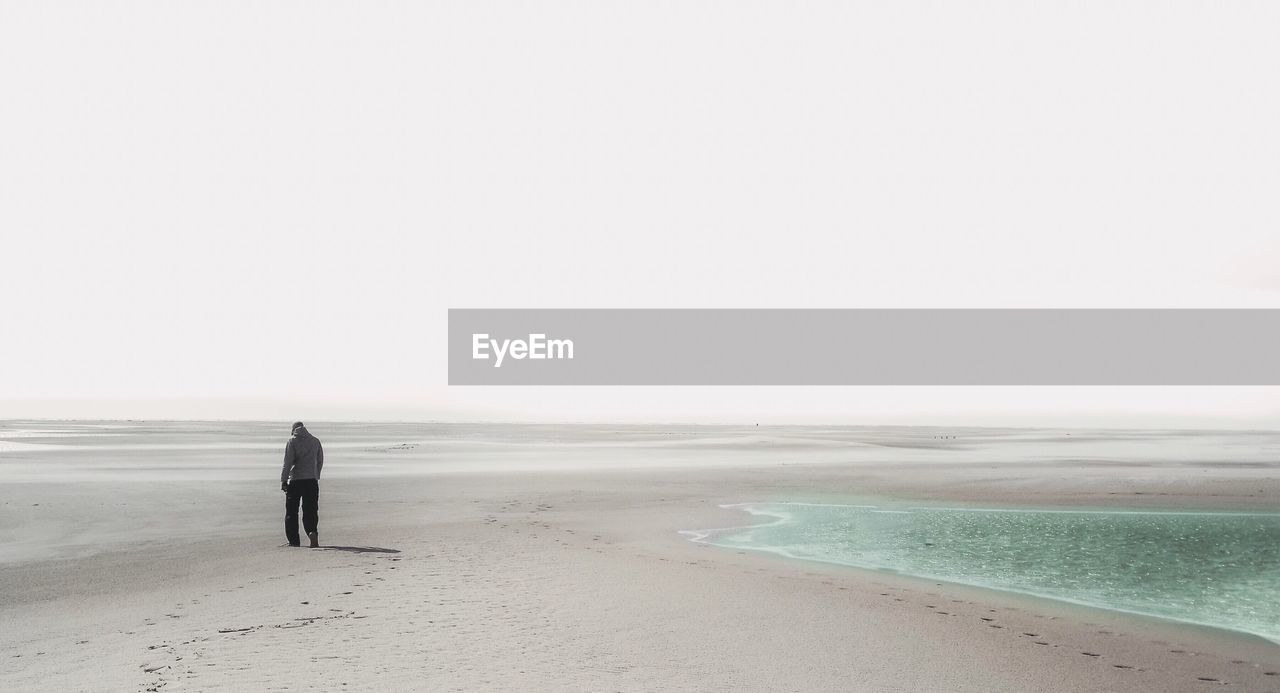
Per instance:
(478,558)
(640,347)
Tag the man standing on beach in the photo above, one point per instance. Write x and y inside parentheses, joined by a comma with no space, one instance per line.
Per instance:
(300,481)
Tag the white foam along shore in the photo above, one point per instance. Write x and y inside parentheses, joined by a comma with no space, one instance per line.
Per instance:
(547,573)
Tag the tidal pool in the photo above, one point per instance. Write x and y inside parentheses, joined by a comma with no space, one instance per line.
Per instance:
(1212,568)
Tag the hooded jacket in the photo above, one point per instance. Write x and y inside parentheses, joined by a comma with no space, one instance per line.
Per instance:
(303,457)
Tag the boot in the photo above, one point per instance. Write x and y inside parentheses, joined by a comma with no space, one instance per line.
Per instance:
(315,539)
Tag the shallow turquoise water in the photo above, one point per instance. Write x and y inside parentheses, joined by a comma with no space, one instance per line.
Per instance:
(1217,569)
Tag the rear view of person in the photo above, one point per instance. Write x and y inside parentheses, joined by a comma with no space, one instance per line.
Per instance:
(300,481)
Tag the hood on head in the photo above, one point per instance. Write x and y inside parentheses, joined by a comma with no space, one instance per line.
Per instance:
(298,429)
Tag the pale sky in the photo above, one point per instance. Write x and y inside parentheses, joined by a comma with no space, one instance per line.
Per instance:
(244,209)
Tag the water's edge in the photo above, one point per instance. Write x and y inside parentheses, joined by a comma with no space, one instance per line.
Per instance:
(753,508)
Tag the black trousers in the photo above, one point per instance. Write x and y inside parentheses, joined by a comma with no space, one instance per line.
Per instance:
(307,491)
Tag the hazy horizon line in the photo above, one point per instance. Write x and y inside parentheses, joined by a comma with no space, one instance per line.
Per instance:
(690,424)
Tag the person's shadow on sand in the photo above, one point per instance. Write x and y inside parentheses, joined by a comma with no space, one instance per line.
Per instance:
(358,549)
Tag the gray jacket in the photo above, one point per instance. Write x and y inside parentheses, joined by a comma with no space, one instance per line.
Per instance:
(303,457)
